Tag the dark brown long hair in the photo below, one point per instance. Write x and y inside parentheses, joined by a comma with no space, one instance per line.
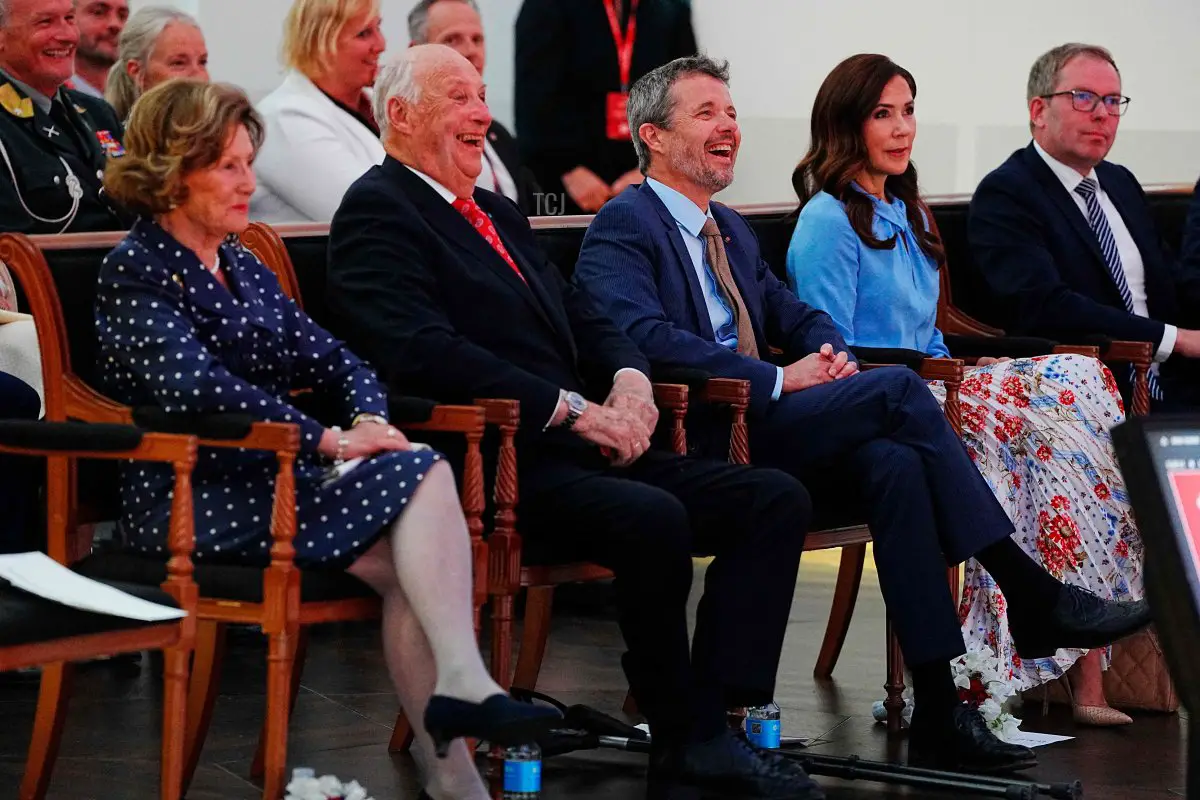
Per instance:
(837,153)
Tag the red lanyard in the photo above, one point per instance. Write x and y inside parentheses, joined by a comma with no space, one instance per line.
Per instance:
(624,45)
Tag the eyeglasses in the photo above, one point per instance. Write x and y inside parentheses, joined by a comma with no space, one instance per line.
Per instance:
(1085,101)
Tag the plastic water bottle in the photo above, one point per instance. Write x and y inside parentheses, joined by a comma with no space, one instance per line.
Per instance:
(762,726)
(522,772)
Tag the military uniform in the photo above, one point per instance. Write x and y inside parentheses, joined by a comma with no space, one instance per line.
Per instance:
(52,164)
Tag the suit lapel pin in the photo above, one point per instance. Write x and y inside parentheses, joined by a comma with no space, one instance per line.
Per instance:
(177,279)
(491,136)
(728,240)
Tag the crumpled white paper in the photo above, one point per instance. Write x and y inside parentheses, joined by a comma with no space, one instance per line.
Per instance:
(326,787)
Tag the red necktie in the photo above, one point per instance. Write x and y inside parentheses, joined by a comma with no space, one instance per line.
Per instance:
(482,223)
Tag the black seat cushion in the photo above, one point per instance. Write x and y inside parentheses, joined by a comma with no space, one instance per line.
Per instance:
(223,581)
(26,618)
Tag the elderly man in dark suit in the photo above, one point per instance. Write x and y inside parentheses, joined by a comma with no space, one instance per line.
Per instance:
(683,276)
(457,24)
(441,285)
(1065,240)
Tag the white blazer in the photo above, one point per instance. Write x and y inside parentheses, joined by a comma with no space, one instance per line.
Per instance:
(313,151)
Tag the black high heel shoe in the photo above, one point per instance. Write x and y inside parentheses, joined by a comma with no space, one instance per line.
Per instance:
(499,719)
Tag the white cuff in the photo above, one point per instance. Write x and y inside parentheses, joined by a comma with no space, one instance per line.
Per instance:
(778,384)
(1167,345)
(617,374)
(562,396)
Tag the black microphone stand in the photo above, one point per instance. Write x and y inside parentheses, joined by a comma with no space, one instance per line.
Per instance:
(585,728)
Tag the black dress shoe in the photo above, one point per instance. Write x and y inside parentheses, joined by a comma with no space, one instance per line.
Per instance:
(1079,620)
(499,719)
(729,765)
(964,743)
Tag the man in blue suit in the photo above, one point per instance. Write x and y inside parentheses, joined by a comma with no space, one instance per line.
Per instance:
(1065,240)
(684,278)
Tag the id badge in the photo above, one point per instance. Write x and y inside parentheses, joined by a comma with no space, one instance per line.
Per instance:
(618,118)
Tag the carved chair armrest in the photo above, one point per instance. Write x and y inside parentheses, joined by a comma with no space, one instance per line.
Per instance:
(1076,349)
(118,442)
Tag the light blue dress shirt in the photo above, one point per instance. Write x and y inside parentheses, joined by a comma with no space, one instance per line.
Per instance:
(877,298)
(690,219)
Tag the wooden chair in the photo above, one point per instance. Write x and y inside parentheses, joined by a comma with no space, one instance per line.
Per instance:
(37,632)
(280,599)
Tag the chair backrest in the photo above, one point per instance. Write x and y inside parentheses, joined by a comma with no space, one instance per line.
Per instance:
(32,275)
(268,247)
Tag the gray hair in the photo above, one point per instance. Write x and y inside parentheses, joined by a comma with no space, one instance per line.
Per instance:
(136,44)
(650,97)
(418,19)
(1043,75)
(397,78)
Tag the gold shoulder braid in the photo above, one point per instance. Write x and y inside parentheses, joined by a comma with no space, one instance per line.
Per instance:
(12,102)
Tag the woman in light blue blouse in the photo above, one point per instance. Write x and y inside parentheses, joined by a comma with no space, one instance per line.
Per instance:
(1036,428)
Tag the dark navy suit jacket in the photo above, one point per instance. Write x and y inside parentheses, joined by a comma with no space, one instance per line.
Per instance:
(1191,234)
(635,266)
(420,294)
(1043,264)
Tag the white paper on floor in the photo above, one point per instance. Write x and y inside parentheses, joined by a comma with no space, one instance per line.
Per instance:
(1030,739)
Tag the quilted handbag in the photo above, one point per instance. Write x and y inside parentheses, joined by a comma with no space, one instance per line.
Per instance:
(1136,678)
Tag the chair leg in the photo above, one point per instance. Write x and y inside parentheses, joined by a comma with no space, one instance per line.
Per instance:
(502,639)
(256,768)
(53,697)
(281,655)
(174,733)
(954,575)
(894,703)
(402,734)
(539,602)
(845,595)
(207,661)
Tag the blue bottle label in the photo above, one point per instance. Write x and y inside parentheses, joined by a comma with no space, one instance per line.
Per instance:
(763,733)
(522,776)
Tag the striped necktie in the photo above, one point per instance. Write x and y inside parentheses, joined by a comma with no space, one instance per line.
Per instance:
(1087,189)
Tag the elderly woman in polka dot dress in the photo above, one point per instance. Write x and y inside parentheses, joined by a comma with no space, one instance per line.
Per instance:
(191,322)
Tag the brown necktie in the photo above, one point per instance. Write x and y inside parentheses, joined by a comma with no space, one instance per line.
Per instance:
(719,263)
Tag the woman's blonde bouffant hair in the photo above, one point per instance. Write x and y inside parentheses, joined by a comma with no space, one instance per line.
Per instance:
(311,31)
(176,128)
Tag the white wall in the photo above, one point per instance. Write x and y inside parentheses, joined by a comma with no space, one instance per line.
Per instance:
(970,59)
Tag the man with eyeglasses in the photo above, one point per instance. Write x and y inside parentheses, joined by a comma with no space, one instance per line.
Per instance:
(1065,240)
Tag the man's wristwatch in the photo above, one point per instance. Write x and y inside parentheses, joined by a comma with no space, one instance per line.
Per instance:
(576,405)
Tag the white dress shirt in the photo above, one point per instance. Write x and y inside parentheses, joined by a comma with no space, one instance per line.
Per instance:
(690,219)
(449,197)
(494,176)
(1131,257)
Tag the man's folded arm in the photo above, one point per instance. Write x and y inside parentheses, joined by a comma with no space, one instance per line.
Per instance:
(381,287)
(616,270)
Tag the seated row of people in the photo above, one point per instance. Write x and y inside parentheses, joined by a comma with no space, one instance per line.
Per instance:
(416,250)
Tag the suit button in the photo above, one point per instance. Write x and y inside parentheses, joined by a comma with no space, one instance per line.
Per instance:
(57,180)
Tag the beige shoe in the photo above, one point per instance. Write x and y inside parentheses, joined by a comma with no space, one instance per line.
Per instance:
(1096,716)
(1101,716)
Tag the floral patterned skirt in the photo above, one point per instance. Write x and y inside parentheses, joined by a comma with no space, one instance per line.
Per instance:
(1038,430)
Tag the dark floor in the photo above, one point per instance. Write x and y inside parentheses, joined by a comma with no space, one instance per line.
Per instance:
(346,709)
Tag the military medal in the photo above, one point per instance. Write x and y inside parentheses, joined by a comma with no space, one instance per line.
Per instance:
(112,148)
